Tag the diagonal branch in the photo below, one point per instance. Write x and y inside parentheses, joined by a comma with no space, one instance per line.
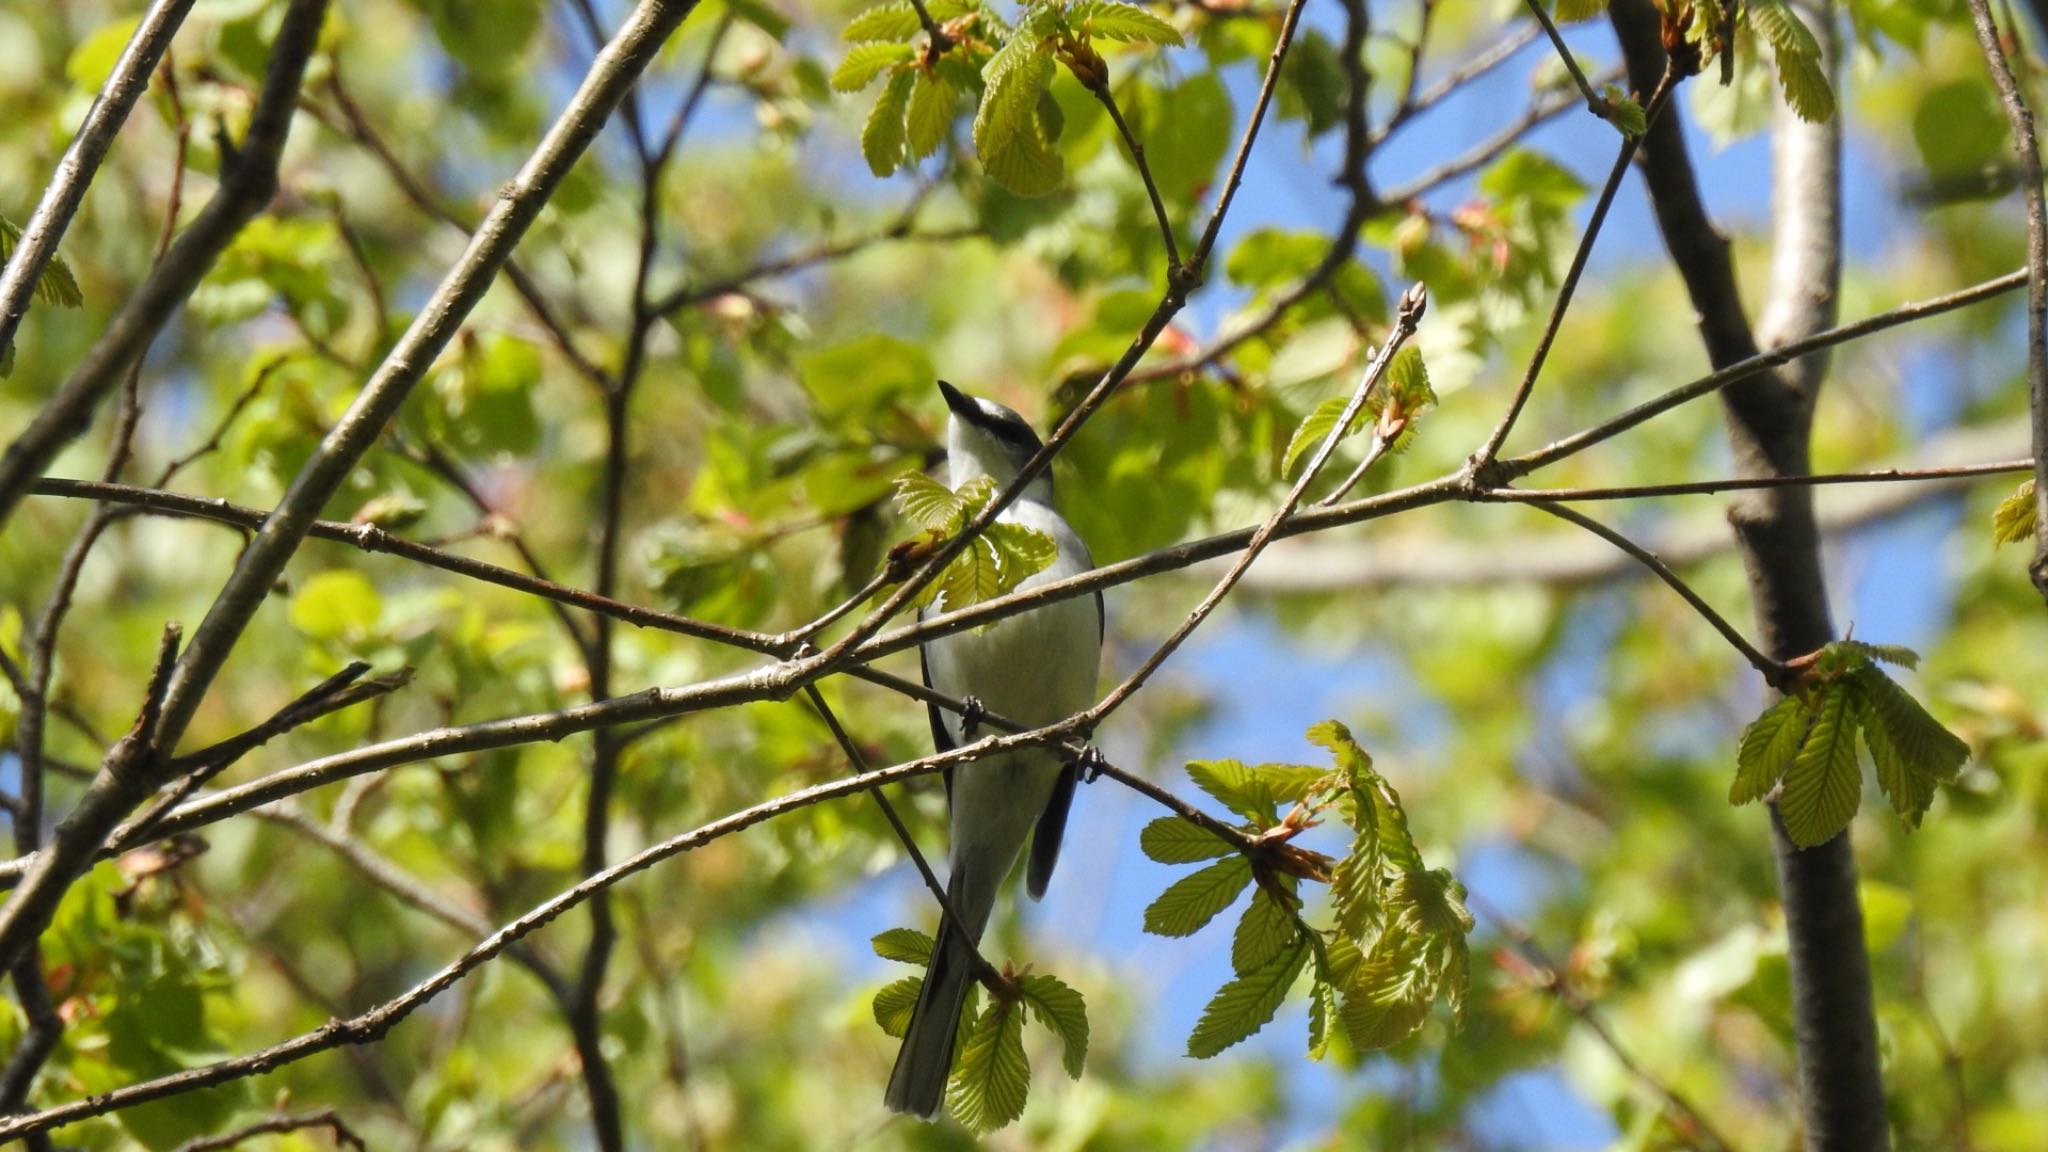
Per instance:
(81,162)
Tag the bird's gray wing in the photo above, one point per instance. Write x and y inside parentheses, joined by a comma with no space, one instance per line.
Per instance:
(1052,823)
(942,740)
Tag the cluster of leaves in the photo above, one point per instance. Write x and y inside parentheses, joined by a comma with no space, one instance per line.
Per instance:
(991,1078)
(1016,123)
(1396,402)
(999,558)
(1396,934)
(1804,746)
(1795,51)
(56,285)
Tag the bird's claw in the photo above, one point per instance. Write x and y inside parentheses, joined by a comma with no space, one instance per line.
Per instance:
(972,713)
(1091,762)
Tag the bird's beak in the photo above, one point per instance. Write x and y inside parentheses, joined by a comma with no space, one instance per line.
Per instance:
(960,402)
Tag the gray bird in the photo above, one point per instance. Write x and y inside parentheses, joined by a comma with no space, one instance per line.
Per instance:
(1036,668)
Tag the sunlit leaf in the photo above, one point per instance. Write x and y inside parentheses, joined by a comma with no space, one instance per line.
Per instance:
(1063,1012)
(1245,1004)
(1195,899)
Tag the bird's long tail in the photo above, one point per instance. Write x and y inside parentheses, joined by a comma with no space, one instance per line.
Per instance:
(918,1082)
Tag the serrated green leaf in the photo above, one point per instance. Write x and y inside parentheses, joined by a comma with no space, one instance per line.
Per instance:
(895,21)
(1797,55)
(894,1003)
(882,139)
(1195,899)
(2017,516)
(1624,112)
(1266,930)
(1063,1013)
(1314,429)
(1127,23)
(1355,886)
(904,945)
(1389,995)
(1911,750)
(991,1080)
(1823,786)
(928,503)
(1172,840)
(1429,903)
(1897,654)
(55,285)
(1767,748)
(865,62)
(932,102)
(1244,1005)
(1007,132)
(1021,552)
(1322,1007)
(1234,785)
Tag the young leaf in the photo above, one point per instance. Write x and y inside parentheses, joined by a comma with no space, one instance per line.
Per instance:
(1235,785)
(1244,1005)
(1195,899)
(929,503)
(1402,393)
(1021,552)
(1322,1006)
(894,1003)
(904,945)
(1626,113)
(1910,749)
(1767,748)
(1007,132)
(1109,20)
(882,140)
(1798,58)
(1063,1013)
(2016,517)
(865,62)
(1355,886)
(895,21)
(1823,786)
(56,285)
(992,1078)
(1266,930)
(1573,11)
(1897,654)
(1314,429)
(1389,996)
(932,101)
(1172,840)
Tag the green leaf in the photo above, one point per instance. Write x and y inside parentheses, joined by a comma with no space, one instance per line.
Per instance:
(1314,429)
(864,63)
(1389,994)
(1021,552)
(1797,54)
(56,285)
(932,102)
(853,382)
(1232,784)
(928,503)
(894,1003)
(992,1079)
(893,21)
(1244,1005)
(1625,113)
(335,604)
(1355,886)
(93,61)
(1322,1007)
(1172,840)
(1064,1014)
(1838,653)
(1910,749)
(1266,930)
(1767,748)
(904,945)
(1007,130)
(1573,11)
(1823,786)
(882,139)
(1195,899)
(1431,903)
(2016,518)
(1128,23)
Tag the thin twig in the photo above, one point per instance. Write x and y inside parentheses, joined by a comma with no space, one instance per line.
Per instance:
(1774,673)
(1751,483)
(2021,119)
(37,245)
(1595,102)
(1482,460)
(1136,149)
(328,1118)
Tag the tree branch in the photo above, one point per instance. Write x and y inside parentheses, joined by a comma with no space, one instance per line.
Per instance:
(37,245)
(245,188)
(2021,120)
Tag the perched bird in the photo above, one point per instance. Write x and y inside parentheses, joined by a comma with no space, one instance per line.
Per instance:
(1035,668)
